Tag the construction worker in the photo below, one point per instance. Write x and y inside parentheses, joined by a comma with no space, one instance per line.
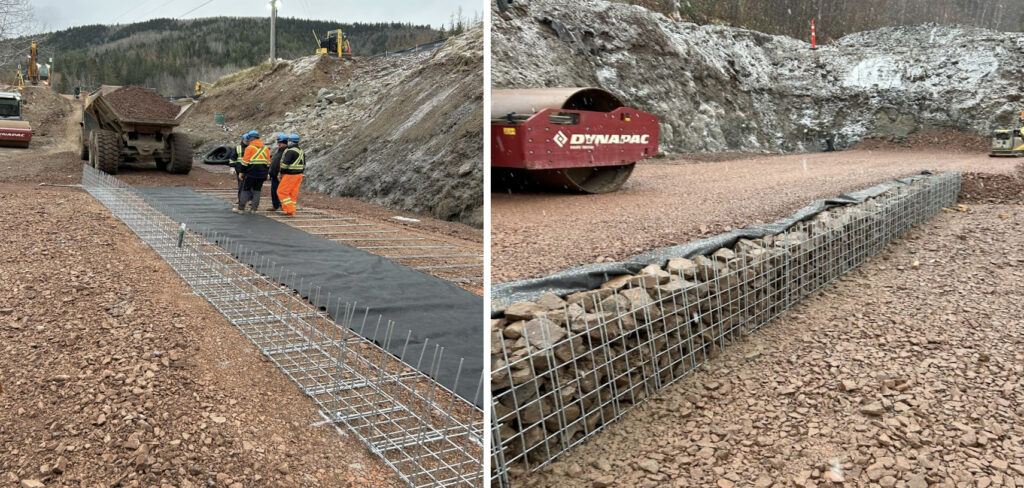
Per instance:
(275,169)
(235,162)
(293,163)
(255,166)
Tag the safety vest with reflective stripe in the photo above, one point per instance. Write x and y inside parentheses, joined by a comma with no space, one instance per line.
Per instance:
(295,167)
(239,151)
(262,156)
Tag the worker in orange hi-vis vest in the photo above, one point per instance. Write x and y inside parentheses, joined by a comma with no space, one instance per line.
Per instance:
(255,166)
(293,163)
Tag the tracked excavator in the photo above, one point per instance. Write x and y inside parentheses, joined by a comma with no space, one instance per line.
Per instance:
(335,43)
(201,87)
(583,140)
(36,73)
(32,72)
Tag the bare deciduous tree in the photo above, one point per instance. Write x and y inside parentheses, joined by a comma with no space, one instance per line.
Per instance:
(836,18)
(15,21)
(15,18)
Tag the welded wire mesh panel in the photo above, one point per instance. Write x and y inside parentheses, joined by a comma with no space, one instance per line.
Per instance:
(564,367)
(427,434)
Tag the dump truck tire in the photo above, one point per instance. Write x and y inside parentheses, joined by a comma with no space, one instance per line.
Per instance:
(106,150)
(181,154)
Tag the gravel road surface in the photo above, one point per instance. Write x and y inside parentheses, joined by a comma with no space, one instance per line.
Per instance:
(668,202)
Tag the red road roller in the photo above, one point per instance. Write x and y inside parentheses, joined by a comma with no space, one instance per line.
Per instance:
(578,139)
(14,131)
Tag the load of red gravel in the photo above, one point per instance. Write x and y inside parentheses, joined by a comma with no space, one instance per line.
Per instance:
(135,102)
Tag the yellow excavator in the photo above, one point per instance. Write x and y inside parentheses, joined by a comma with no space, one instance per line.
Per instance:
(35,73)
(201,87)
(33,66)
(334,43)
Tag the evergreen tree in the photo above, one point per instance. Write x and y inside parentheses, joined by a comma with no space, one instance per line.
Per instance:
(171,55)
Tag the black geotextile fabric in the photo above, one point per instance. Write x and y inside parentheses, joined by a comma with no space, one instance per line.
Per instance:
(589,277)
(432,308)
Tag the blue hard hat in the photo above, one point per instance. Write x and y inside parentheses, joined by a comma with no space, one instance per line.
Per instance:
(293,137)
(282,138)
(254,134)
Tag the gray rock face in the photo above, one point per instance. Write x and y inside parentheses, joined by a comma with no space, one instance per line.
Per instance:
(408,137)
(718,88)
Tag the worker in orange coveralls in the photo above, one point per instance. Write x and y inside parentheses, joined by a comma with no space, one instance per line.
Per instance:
(293,163)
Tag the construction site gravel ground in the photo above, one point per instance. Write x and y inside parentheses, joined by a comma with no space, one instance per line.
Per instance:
(673,201)
(894,376)
(115,374)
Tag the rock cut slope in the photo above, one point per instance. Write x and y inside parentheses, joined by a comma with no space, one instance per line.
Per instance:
(726,89)
(403,132)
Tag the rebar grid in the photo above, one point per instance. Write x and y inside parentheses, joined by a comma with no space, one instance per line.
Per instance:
(563,375)
(376,241)
(427,434)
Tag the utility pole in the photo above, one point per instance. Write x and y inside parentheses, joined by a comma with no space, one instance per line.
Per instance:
(273,31)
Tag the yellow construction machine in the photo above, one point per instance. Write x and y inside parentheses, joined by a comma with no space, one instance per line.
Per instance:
(33,66)
(335,43)
(36,73)
(201,87)
(1009,142)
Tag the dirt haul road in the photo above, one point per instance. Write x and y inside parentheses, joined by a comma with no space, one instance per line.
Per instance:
(894,376)
(668,202)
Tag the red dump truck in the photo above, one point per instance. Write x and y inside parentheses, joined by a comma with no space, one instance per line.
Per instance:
(579,139)
(14,131)
(130,123)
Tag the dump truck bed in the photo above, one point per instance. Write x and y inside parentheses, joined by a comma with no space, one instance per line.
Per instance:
(105,111)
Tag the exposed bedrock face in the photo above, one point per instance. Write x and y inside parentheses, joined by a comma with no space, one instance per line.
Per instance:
(414,142)
(719,88)
(401,131)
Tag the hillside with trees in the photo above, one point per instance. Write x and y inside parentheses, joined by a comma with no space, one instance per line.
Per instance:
(836,18)
(171,55)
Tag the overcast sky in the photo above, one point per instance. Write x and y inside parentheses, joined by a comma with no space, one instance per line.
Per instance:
(61,14)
